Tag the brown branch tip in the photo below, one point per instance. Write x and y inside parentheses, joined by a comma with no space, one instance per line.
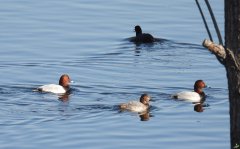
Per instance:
(216,49)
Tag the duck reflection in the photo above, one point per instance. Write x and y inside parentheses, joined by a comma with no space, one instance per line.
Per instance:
(64,97)
(144,116)
(139,47)
(198,107)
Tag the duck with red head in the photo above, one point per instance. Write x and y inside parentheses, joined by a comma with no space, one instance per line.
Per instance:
(193,96)
(64,81)
(141,37)
(60,88)
(198,87)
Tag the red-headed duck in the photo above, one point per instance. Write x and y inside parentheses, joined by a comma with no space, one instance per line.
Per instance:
(142,37)
(61,88)
(193,96)
(137,106)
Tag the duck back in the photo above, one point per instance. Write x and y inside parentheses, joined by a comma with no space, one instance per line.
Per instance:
(144,38)
(136,106)
(188,96)
(53,88)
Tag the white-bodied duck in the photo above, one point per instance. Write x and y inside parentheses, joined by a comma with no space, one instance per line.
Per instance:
(60,88)
(137,106)
(193,96)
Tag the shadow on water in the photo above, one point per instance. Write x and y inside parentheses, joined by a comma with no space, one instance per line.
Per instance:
(144,116)
(138,46)
(102,108)
(159,43)
(200,107)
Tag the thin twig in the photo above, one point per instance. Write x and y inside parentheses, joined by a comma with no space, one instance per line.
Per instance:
(204,20)
(214,22)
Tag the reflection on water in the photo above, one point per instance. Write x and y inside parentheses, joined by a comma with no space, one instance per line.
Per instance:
(198,107)
(144,116)
(64,97)
(147,46)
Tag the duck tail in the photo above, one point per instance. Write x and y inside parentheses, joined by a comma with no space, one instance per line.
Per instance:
(174,96)
(123,106)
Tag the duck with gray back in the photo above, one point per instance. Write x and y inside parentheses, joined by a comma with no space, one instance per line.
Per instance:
(137,106)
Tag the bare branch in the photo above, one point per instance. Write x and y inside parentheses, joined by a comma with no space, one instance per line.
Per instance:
(216,49)
(221,53)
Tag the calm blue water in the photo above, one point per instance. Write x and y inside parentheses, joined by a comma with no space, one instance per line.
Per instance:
(40,40)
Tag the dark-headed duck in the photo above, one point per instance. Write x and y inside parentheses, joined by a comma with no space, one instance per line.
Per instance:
(60,88)
(193,96)
(142,37)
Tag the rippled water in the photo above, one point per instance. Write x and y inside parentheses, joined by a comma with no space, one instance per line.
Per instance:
(40,40)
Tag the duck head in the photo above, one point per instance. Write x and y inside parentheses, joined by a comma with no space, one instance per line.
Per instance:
(198,86)
(64,81)
(138,30)
(145,98)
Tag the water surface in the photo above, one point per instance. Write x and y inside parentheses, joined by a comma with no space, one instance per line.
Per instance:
(40,40)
